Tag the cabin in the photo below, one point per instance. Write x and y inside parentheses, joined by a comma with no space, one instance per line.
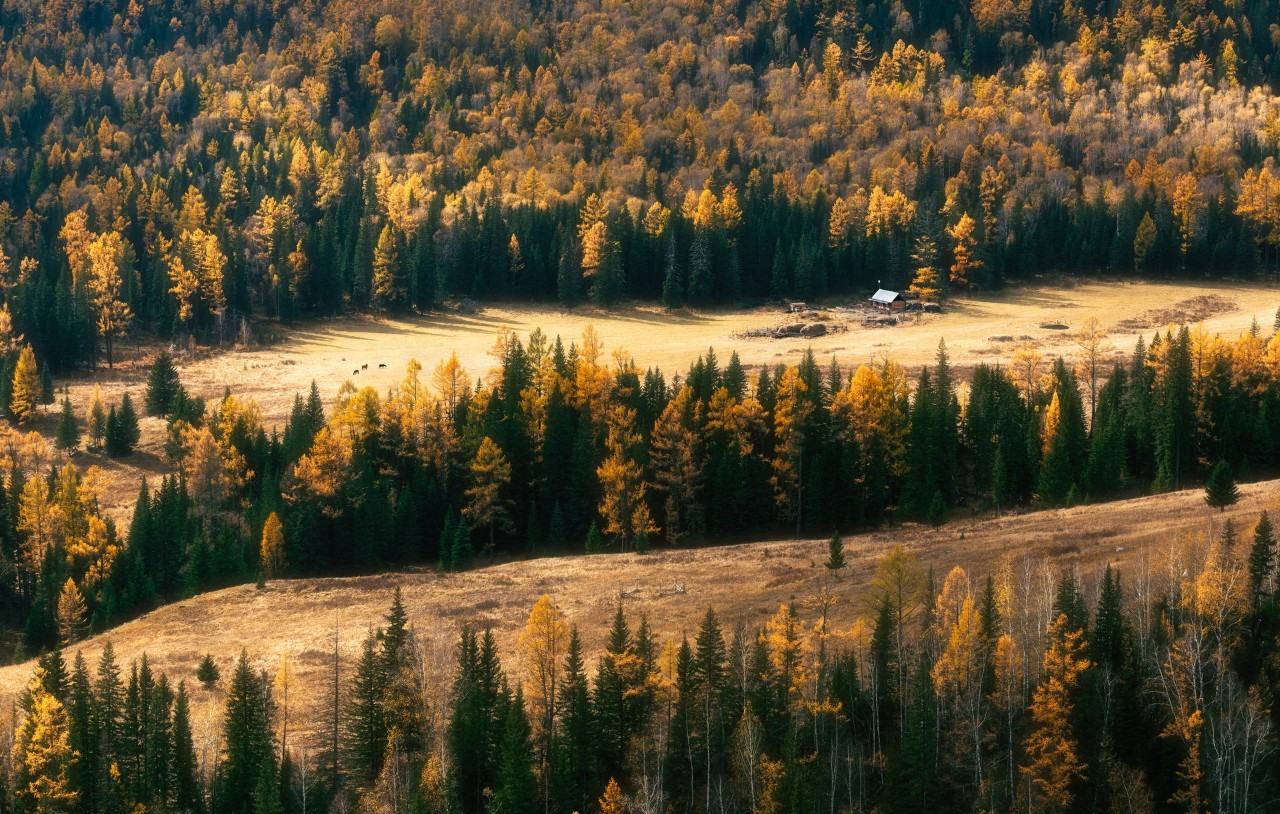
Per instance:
(795,307)
(888,300)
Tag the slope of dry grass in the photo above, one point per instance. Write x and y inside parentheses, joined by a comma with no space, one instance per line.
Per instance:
(296,619)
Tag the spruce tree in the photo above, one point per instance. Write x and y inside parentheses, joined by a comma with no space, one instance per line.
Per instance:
(163,385)
(46,386)
(672,290)
(67,437)
(364,727)
(517,787)
(1221,491)
(595,540)
(207,672)
(575,757)
(937,514)
(1262,560)
(835,552)
(248,750)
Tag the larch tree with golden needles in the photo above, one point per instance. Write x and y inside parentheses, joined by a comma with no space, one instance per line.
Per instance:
(613,802)
(272,551)
(543,644)
(1095,346)
(42,753)
(675,453)
(111,313)
(622,501)
(24,399)
(1053,762)
(73,616)
(791,427)
(490,473)
(926,282)
(964,254)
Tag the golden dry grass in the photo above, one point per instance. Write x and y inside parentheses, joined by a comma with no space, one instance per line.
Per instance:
(329,351)
(295,619)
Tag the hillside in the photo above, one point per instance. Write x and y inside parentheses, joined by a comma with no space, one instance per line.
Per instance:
(981,328)
(295,619)
(178,169)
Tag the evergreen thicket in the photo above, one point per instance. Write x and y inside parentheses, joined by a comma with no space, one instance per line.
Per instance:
(995,694)
(556,452)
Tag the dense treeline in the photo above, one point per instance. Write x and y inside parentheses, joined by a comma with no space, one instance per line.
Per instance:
(1028,690)
(180,167)
(556,449)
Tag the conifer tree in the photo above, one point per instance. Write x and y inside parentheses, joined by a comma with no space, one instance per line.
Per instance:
(612,802)
(490,473)
(517,787)
(207,672)
(46,386)
(937,514)
(1053,760)
(575,755)
(364,728)
(42,753)
(97,415)
(163,385)
(835,552)
(272,548)
(24,398)
(73,622)
(248,751)
(595,540)
(1221,491)
(1262,560)
(67,436)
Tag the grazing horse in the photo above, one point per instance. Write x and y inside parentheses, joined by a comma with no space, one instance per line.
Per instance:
(382,365)
(365,366)
(355,372)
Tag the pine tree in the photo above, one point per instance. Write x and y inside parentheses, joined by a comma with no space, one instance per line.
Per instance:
(835,552)
(207,672)
(97,419)
(163,385)
(672,289)
(595,540)
(364,726)
(248,750)
(46,386)
(1262,560)
(67,436)
(937,514)
(24,398)
(517,787)
(1221,491)
(122,431)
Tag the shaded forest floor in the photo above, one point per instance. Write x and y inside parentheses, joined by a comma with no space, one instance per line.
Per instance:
(1147,538)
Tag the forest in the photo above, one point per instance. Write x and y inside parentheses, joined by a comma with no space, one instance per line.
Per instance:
(1027,690)
(569,449)
(185,169)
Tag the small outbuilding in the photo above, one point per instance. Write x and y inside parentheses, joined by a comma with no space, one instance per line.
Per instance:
(888,300)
